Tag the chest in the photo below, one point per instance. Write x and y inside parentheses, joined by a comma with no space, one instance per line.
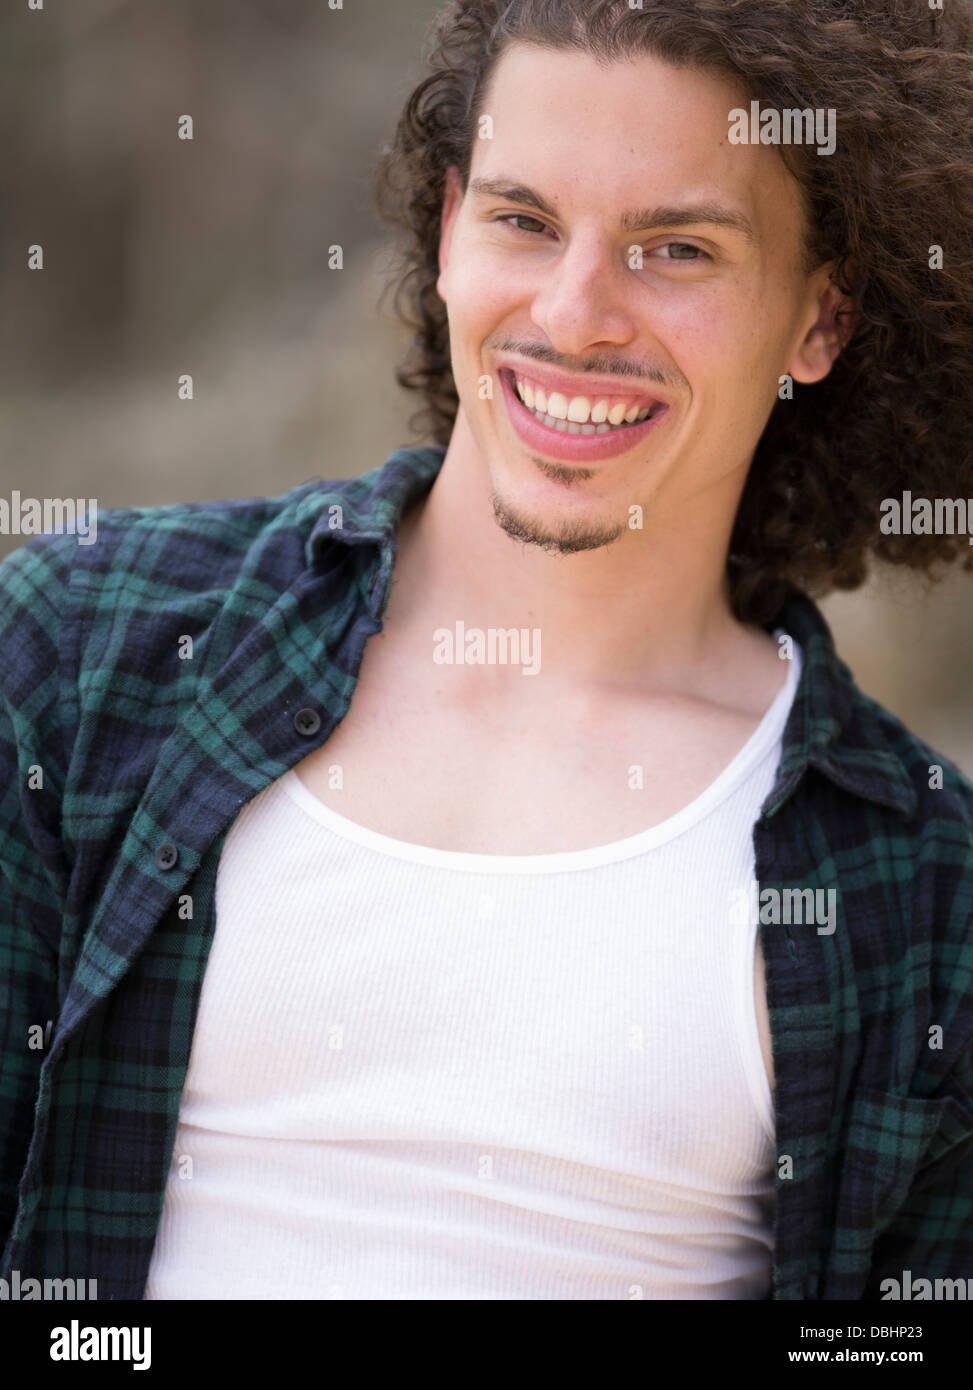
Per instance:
(603,982)
(414,760)
(429,756)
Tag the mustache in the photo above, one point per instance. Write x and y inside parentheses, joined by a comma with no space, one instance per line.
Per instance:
(603,364)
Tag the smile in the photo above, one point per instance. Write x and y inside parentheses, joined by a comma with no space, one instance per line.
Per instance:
(578,429)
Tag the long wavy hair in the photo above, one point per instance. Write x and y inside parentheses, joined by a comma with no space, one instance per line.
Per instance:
(893,413)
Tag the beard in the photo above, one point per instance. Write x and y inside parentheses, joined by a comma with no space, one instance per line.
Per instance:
(567,538)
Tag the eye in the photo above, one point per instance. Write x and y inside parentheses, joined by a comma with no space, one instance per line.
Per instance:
(700,254)
(511,217)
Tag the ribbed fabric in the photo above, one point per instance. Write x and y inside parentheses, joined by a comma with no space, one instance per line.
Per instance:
(421,1074)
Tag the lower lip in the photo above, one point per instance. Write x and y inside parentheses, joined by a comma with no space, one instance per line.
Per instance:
(573,448)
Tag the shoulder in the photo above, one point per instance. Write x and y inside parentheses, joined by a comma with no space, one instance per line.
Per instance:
(168,553)
(919,858)
(163,551)
(943,792)
(110,608)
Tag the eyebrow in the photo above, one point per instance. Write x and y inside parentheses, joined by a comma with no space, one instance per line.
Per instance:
(635,220)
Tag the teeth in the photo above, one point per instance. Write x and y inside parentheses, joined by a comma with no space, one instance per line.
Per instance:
(578,412)
(574,427)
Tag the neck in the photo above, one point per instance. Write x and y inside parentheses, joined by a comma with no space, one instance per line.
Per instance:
(651,609)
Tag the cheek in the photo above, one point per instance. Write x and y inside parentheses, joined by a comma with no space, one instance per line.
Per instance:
(712,335)
(476,304)
(479,288)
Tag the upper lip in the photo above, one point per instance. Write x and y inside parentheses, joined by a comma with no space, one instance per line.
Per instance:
(593,387)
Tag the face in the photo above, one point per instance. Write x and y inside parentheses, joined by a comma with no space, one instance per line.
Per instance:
(624,290)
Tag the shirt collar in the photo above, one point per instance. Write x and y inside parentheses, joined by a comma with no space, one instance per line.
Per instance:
(832,727)
(368,509)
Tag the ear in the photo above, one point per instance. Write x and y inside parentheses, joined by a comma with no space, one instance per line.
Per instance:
(452,198)
(828,327)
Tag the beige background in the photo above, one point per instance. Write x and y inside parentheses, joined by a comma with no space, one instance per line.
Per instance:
(209,257)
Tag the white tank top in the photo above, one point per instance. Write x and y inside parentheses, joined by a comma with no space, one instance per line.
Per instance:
(423,1074)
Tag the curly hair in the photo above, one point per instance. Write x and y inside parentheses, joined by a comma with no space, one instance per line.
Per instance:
(891,414)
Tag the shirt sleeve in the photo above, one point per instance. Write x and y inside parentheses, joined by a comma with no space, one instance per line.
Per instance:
(33,868)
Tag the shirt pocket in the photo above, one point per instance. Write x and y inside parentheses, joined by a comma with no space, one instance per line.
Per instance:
(890,1144)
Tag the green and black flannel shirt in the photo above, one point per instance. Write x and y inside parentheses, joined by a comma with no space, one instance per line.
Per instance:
(152,683)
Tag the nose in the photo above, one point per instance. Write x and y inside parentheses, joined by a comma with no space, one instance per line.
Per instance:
(581,299)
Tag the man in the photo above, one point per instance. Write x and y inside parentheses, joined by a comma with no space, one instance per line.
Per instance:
(437,883)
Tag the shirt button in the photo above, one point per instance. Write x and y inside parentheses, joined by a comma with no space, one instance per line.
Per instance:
(166,855)
(307,722)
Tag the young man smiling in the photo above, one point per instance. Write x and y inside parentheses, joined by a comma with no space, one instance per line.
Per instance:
(433,979)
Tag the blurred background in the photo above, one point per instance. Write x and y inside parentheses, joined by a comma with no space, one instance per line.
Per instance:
(210,257)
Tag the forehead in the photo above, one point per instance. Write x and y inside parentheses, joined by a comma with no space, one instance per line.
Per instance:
(603,137)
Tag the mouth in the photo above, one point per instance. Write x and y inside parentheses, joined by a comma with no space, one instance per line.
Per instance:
(579,430)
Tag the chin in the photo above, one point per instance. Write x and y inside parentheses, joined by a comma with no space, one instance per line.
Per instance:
(556,530)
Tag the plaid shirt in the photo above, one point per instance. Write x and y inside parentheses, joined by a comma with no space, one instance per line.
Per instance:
(156,681)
